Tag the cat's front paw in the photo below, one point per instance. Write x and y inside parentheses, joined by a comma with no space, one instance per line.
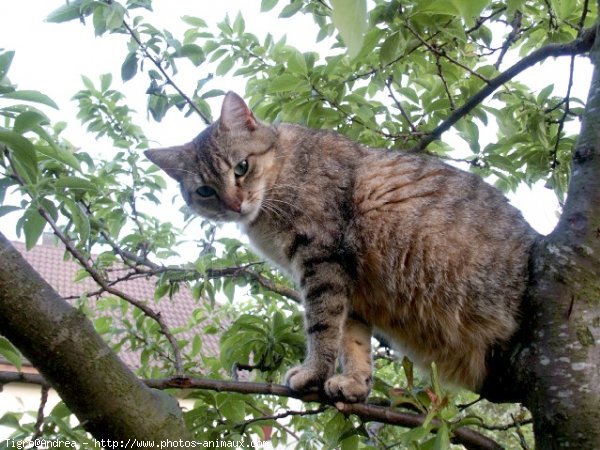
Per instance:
(351,389)
(300,378)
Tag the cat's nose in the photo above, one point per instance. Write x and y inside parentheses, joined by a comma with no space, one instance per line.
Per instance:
(233,199)
(233,203)
(235,206)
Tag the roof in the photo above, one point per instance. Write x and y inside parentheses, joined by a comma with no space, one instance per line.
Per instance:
(60,272)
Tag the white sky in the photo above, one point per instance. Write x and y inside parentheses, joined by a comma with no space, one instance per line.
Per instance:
(51,58)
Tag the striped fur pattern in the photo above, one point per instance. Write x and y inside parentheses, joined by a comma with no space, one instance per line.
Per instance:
(426,255)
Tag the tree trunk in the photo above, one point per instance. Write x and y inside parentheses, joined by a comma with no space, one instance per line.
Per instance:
(553,365)
(62,344)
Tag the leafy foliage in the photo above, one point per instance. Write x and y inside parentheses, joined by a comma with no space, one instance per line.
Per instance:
(408,66)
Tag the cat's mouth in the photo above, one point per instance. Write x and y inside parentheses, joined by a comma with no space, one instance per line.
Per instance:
(248,213)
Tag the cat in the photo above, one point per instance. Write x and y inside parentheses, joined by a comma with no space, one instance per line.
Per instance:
(427,255)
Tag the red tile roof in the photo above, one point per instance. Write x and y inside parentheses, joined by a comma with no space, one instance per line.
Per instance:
(60,272)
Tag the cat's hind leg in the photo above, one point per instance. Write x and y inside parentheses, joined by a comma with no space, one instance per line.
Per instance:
(354,383)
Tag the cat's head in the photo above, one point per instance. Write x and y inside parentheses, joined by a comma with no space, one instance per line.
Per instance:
(225,171)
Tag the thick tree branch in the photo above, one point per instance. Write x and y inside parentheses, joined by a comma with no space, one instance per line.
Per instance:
(580,45)
(63,345)
(552,364)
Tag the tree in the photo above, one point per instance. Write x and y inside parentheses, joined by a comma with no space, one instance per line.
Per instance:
(412,71)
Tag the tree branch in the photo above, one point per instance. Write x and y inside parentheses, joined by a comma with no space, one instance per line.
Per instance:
(471,439)
(580,45)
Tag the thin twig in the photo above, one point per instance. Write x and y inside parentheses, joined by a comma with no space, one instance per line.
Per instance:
(563,118)
(311,412)
(388,84)
(515,423)
(512,37)
(522,439)
(37,428)
(440,72)
(482,19)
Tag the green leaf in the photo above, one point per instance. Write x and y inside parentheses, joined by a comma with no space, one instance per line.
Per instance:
(24,155)
(213,93)
(407,365)
(129,67)
(55,152)
(28,120)
(435,382)
(33,226)
(5,62)
(334,429)
(103,324)
(7,209)
(297,63)
(233,409)
(105,81)
(562,8)
(284,83)
(350,443)
(291,9)
(267,5)
(436,7)
(161,291)
(442,438)
(414,435)
(89,85)
(76,184)
(470,9)
(194,21)
(65,13)
(196,345)
(194,53)
(545,93)
(350,18)
(10,420)
(158,106)
(225,65)
(389,48)
(501,162)
(115,16)
(9,352)
(99,20)
(31,96)
(239,25)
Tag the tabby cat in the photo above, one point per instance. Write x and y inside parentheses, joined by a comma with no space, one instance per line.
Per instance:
(429,256)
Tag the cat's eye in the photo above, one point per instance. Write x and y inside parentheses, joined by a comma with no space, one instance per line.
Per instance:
(205,191)
(241,168)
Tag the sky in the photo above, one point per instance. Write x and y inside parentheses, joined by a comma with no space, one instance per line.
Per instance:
(51,57)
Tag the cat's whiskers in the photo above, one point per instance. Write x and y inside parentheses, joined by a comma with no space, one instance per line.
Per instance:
(274,210)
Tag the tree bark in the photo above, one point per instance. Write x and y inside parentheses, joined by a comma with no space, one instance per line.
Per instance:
(553,364)
(62,344)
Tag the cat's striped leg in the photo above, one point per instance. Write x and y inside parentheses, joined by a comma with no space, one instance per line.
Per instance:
(325,288)
(354,383)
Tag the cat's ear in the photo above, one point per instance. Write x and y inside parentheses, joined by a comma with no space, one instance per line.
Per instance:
(235,114)
(175,161)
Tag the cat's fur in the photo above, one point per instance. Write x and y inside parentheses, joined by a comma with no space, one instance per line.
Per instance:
(431,257)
